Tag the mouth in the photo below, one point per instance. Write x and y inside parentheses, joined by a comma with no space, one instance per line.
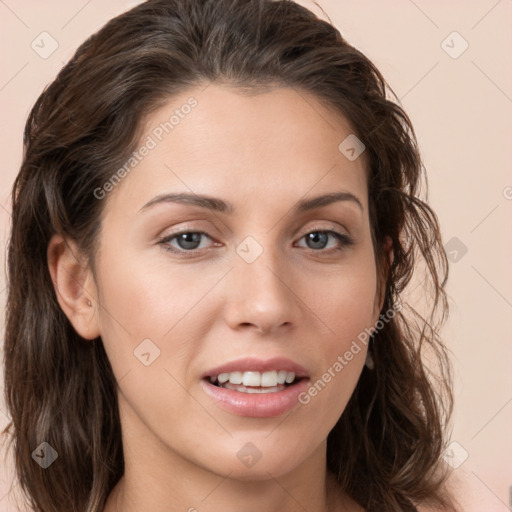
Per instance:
(272,381)
(256,388)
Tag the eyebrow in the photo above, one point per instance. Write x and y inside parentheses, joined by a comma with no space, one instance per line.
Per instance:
(219,205)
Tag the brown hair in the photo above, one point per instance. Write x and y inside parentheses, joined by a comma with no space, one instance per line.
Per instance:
(385,449)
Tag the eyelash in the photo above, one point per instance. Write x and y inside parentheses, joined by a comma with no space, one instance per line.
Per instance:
(345,240)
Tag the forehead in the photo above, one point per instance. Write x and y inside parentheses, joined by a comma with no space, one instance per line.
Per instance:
(278,145)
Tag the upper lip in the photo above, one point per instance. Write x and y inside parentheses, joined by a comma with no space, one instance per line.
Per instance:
(248,364)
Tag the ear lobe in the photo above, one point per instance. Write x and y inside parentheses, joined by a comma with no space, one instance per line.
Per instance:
(388,250)
(74,286)
(382,275)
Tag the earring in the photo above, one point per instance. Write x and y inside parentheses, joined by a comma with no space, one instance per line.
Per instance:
(89,303)
(369,361)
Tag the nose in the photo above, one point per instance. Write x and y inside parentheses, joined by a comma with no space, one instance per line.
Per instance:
(260,296)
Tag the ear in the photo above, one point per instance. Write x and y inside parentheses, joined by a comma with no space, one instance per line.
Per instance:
(74,286)
(382,275)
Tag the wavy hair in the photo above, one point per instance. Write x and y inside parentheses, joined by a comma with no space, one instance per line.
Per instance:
(385,449)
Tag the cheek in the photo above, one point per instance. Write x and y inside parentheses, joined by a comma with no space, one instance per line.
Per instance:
(345,301)
(346,308)
(157,302)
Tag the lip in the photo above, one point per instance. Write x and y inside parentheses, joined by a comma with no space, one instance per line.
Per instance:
(248,364)
(257,405)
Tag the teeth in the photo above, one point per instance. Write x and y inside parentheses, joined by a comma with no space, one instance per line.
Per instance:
(269,379)
(244,389)
(251,379)
(236,377)
(255,379)
(223,377)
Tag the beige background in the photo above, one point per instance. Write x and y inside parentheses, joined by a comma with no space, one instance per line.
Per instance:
(462,112)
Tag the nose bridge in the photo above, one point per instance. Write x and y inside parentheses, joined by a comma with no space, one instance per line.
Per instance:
(258,289)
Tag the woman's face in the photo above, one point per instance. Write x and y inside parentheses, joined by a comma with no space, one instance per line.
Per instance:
(276,277)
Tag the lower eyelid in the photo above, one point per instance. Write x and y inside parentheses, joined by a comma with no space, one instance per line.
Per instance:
(343,238)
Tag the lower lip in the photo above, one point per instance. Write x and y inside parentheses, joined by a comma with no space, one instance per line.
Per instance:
(256,405)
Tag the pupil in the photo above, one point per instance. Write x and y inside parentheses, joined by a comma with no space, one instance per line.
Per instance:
(189,240)
(318,240)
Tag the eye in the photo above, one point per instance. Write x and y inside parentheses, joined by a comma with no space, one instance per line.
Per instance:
(186,241)
(192,241)
(319,240)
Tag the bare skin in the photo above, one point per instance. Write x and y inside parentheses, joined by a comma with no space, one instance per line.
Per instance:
(262,154)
